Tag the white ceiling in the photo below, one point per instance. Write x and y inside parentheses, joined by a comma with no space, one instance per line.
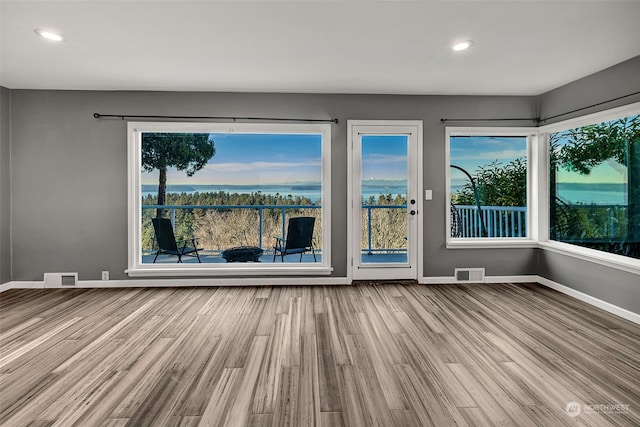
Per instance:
(396,47)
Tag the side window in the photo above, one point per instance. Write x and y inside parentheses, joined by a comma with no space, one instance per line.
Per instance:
(488,185)
(594,186)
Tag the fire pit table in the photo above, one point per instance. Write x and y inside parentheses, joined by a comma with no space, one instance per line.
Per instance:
(242,254)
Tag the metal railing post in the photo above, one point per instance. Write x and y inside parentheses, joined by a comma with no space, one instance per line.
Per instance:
(261,216)
(283,222)
(369,230)
(519,224)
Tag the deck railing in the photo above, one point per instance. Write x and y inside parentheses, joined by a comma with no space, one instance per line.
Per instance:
(370,249)
(511,221)
(499,221)
(260,208)
(283,215)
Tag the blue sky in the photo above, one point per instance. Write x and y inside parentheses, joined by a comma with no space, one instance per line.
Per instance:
(384,157)
(254,159)
(285,158)
(609,171)
(471,152)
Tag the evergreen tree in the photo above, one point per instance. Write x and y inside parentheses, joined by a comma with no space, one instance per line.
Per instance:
(188,152)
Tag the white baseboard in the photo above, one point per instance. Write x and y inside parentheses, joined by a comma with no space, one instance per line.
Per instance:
(21,284)
(443,280)
(532,278)
(437,280)
(606,306)
(293,281)
(156,283)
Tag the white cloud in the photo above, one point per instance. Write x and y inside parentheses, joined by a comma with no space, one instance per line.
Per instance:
(384,158)
(491,155)
(256,166)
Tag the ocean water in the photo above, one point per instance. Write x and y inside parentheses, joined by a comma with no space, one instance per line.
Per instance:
(588,194)
(312,191)
(599,194)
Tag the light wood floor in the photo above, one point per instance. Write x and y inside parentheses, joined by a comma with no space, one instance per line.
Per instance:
(362,355)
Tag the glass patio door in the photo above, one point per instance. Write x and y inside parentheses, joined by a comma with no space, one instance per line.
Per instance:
(385,205)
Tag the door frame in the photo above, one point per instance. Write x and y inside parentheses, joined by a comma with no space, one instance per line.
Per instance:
(391,126)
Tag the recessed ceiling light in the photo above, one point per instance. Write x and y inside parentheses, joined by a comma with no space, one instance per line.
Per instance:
(49,35)
(462,45)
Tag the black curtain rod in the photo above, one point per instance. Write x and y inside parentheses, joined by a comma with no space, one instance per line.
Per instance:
(491,120)
(590,106)
(270,119)
(538,120)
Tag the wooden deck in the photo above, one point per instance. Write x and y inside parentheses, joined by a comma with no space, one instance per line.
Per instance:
(268,258)
(361,355)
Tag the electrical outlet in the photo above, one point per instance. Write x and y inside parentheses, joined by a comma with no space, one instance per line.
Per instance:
(105,275)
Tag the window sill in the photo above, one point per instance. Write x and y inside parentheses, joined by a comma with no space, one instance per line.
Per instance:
(491,243)
(619,262)
(235,269)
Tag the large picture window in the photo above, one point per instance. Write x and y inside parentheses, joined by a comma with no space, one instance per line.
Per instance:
(594,186)
(488,183)
(228,198)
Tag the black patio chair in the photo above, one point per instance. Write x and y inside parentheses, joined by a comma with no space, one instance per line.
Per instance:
(299,238)
(167,243)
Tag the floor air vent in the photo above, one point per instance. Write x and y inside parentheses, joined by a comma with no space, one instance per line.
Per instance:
(469,275)
(60,280)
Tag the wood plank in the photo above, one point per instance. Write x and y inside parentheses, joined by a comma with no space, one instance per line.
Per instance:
(222,397)
(388,354)
(327,377)
(239,412)
(286,411)
(28,346)
(309,388)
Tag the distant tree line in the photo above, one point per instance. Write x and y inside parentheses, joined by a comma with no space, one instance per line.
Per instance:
(226,198)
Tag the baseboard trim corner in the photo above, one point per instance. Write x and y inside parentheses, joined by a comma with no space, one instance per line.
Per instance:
(606,306)
(596,302)
(21,284)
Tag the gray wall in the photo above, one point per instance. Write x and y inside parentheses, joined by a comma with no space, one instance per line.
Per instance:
(5,180)
(69,173)
(608,284)
(69,181)
(615,82)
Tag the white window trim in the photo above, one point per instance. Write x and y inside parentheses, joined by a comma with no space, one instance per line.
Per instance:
(620,262)
(135,266)
(392,127)
(607,259)
(532,188)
